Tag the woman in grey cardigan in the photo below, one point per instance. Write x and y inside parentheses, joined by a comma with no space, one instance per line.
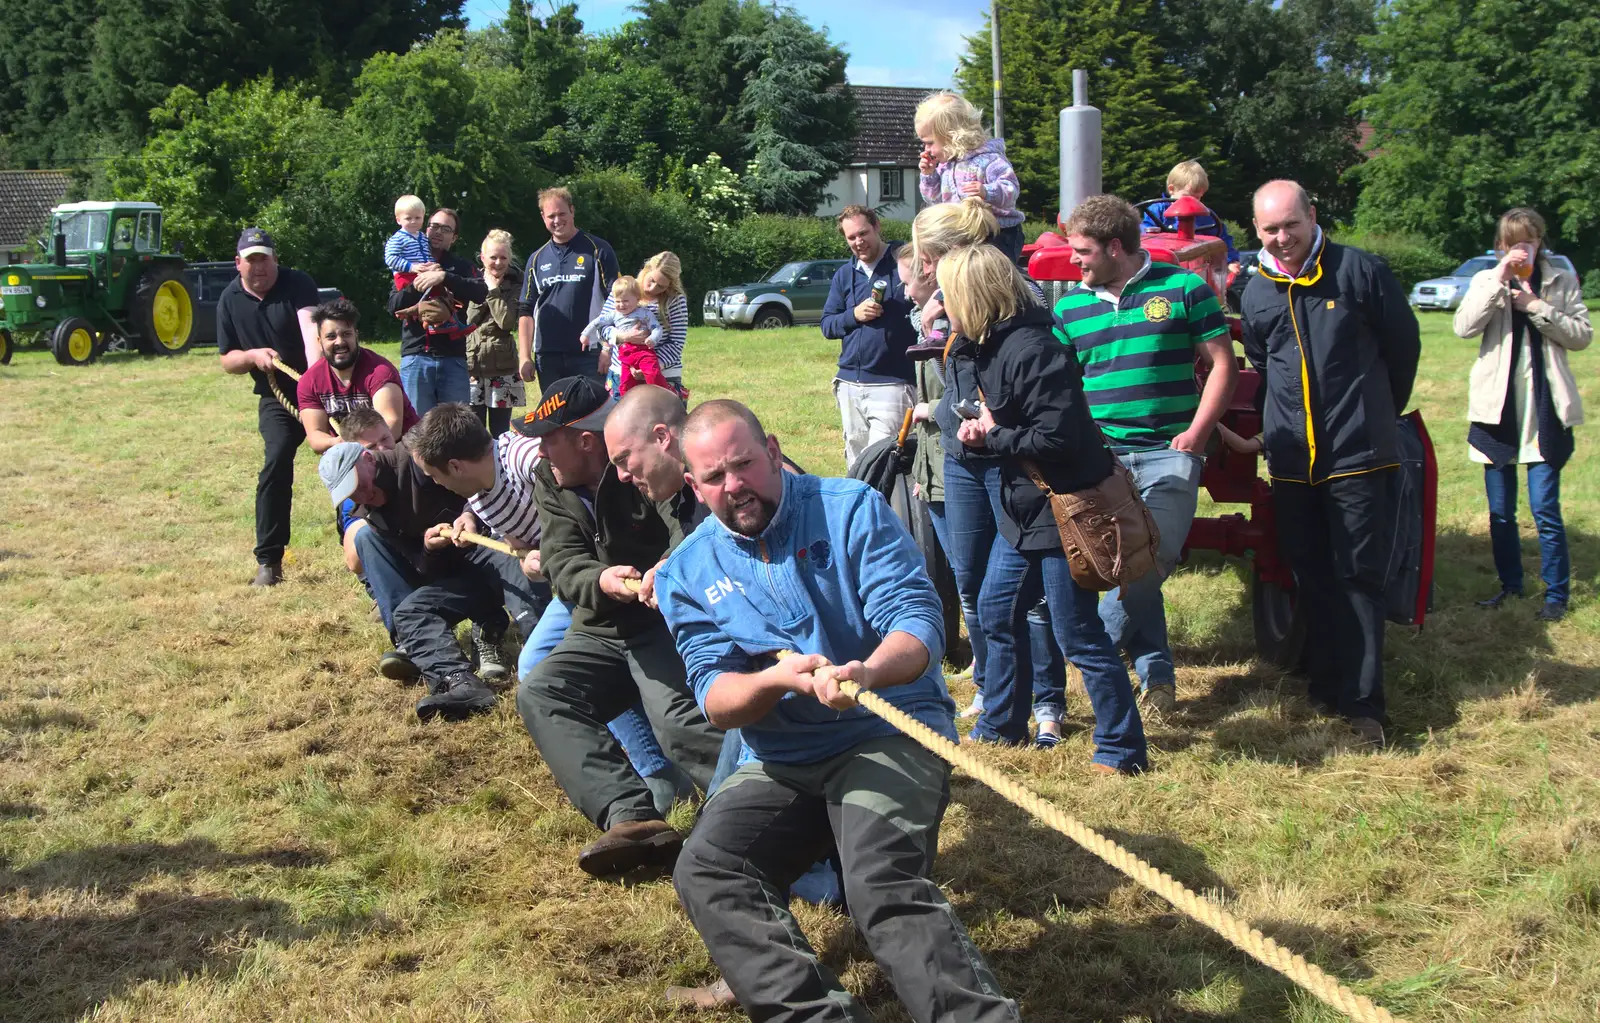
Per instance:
(1522,400)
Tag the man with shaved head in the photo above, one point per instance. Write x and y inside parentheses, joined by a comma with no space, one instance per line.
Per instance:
(822,568)
(1328,328)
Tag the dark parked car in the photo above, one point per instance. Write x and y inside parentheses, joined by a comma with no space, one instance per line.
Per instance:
(793,293)
(206,281)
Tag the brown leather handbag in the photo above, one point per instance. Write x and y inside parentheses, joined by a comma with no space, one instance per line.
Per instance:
(1106,530)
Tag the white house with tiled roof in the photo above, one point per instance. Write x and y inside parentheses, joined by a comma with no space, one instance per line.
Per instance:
(882,172)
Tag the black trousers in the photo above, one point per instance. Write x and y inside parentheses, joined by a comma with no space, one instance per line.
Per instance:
(425,622)
(1337,536)
(552,366)
(282,436)
(498,420)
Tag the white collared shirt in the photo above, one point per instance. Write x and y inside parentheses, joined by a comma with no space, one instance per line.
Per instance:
(1270,261)
(1105,295)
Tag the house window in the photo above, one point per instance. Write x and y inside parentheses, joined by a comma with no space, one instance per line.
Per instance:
(891,185)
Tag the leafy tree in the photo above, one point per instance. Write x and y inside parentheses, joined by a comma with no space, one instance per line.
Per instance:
(801,120)
(1481,107)
(551,50)
(630,117)
(81,69)
(1283,82)
(1152,114)
(216,163)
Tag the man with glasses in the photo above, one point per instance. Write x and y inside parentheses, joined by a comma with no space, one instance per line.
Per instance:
(433,346)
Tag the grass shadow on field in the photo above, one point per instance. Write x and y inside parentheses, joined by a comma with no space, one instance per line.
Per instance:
(63,951)
(1074,939)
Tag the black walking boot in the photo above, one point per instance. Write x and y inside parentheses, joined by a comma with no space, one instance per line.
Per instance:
(455,697)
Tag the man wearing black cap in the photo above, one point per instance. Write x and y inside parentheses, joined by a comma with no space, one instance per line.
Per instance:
(599,533)
(262,316)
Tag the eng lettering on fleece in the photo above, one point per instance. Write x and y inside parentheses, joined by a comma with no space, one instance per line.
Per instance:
(722,588)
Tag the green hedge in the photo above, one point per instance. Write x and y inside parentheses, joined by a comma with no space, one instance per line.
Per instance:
(1412,258)
(639,222)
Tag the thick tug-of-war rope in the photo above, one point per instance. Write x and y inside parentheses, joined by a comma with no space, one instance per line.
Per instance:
(272,382)
(1238,933)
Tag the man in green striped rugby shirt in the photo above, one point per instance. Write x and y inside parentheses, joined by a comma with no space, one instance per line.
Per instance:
(1136,327)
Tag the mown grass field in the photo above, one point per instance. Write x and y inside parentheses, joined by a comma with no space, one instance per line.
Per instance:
(213,808)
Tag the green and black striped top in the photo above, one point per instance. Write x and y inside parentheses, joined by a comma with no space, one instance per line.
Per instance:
(1138,355)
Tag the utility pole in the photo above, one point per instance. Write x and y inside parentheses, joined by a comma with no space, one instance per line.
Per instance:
(994,53)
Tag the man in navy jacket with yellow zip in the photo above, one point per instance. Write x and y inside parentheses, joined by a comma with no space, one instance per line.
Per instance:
(1329,329)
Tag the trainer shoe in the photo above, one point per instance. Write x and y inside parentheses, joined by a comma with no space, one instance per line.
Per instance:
(490,667)
(647,843)
(1552,611)
(1494,602)
(455,697)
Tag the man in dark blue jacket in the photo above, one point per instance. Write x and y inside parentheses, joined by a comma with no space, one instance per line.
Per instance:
(1336,344)
(874,382)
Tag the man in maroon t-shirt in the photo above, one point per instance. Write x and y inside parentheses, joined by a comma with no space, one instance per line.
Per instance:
(346,377)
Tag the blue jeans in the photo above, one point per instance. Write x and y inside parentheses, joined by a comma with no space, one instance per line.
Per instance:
(1012,587)
(1136,617)
(1544,499)
(429,380)
(389,574)
(966,525)
(631,727)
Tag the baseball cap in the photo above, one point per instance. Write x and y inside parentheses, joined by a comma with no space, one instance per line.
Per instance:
(338,469)
(255,240)
(580,402)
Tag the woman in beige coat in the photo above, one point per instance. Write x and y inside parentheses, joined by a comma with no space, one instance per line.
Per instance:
(1522,400)
(492,345)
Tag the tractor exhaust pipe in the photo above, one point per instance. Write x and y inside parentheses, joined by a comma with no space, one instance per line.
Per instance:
(61,249)
(1080,147)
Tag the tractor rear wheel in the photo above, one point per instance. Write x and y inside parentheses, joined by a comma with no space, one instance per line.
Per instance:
(5,347)
(1280,624)
(163,311)
(74,342)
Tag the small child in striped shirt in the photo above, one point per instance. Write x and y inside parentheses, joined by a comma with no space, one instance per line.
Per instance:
(407,251)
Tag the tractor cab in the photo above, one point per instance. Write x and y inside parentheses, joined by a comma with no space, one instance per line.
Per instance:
(104,282)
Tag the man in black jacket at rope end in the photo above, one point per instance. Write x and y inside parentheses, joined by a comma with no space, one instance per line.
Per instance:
(1330,331)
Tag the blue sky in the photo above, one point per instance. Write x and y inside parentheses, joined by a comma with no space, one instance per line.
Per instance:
(890,42)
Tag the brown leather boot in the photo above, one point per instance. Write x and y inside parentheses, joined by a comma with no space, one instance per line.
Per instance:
(647,843)
(710,996)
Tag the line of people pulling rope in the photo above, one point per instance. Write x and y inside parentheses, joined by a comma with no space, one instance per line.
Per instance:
(657,561)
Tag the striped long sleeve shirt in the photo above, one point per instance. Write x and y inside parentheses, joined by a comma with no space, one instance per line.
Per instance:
(507,507)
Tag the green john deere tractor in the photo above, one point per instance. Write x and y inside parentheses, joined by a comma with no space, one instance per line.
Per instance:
(107,286)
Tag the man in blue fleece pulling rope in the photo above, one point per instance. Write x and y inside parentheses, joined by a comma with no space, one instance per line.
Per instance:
(823,568)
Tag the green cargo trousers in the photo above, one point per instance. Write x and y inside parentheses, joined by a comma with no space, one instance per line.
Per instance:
(586,681)
(880,803)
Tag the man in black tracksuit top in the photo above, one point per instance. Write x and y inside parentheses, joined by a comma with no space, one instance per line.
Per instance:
(564,286)
(1329,329)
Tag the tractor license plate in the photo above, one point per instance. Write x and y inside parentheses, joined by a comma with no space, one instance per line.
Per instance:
(16,289)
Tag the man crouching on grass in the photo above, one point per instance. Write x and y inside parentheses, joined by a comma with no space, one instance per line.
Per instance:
(822,568)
